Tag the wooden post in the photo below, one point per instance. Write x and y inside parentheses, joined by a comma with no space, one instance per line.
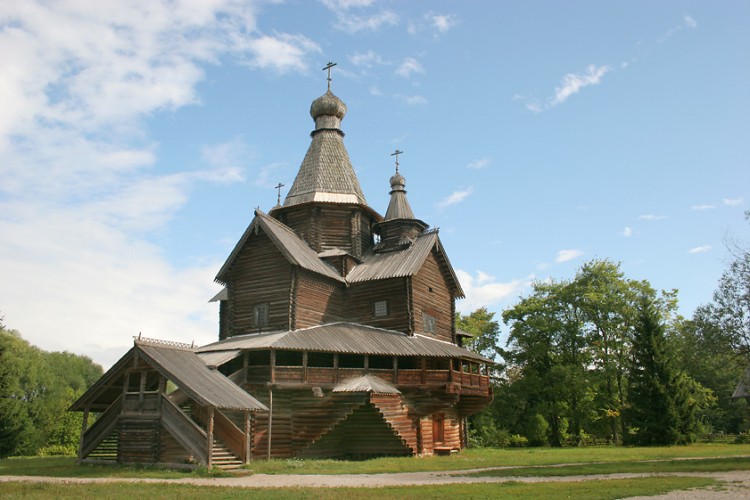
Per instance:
(367,363)
(247,437)
(335,367)
(423,375)
(246,365)
(272,362)
(304,366)
(270,421)
(395,369)
(210,437)
(84,426)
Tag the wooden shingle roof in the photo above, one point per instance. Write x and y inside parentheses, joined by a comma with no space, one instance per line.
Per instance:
(181,365)
(345,338)
(294,249)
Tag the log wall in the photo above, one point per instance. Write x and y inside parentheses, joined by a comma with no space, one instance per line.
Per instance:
(260,274)
(431,295)
(316,301)
(360,298)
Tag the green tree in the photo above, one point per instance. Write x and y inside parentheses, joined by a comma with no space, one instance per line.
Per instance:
(661,408)
(484,331)
(36,389)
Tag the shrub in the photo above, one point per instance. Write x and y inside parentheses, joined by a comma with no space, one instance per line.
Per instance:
(58,450)
(518,441)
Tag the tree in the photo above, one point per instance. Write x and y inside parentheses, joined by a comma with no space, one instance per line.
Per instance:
(484,330)
(36,389)
(661,409)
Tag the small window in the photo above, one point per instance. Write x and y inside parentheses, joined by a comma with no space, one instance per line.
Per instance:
(260,315)
(428,321)
(381,308)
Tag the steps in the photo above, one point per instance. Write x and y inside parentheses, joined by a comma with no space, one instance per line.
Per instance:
(222,458)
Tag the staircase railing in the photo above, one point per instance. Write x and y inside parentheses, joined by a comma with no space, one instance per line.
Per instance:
(184,430)
(229,434)
(103,427)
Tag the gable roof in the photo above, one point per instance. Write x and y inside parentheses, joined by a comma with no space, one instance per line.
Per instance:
(345,338)
(404,262)
(294,249)
(178,363)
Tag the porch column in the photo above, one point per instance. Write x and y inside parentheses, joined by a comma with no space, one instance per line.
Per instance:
(247,436)
(210,437)
(270,421)
(84,426)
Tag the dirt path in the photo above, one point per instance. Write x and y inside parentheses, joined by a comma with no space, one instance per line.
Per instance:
(737,482)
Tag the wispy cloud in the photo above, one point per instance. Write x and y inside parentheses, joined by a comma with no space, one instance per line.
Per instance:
(366,59)
(733,202)
(651,217)
(413,100)
(479,164)
(77,163)
(455,197)
(688,22)
(442,22)
(627,232)
(484,290)
(571,84)
(704,206)
(408,67)
(347,20)
(568,255)
(700,249)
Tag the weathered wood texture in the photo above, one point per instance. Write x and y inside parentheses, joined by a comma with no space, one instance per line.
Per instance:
(259,275)
(432,296)
(138,440)
(364,433)
(316,301)
(360,299)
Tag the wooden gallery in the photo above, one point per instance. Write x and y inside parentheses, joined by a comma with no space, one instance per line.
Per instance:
(337,338)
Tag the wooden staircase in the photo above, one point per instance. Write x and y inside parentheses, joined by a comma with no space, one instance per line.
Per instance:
(396,416)
(223,458)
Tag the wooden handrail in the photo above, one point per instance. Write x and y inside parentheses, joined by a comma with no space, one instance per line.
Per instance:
(184,430)
(229,434)
(100,429)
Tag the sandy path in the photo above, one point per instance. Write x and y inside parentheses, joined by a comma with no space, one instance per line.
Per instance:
(738,482)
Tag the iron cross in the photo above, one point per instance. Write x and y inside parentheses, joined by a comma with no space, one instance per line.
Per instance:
(278,196)
(328,67)
(396,153)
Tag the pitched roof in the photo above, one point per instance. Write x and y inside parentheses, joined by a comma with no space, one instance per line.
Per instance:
(366,383)
(326,173)
(404,262)
(347,338)
(181,365)
(294,249)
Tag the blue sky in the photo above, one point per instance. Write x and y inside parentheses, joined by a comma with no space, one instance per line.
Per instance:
(137,137)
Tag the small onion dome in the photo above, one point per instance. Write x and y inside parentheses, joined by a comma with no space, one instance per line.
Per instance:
(328,104)
(398,182)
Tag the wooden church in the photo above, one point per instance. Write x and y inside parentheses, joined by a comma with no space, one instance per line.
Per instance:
(337,338)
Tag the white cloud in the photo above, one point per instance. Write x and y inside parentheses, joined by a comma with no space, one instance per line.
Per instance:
(455,197)
(572,83)
(366,59)
(733,202)
(567,255)
(479,164)
(484,291)
(651,217)
(78,198)
(704,206)
(282,52)
(443,23)
(346,4)
(352,23)
(690,22)
(700,249)
(413,100)
(627,232)
(408,67)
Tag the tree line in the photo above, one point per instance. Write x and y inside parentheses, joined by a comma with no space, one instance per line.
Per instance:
(604,358)
(36,389)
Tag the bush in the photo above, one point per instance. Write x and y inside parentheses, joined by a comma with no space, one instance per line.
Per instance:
(537,430)
(58,450)
(518,441)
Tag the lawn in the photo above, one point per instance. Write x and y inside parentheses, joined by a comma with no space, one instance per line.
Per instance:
(585,490)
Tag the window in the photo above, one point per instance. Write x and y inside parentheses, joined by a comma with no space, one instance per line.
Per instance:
(381,308)
(428,322)
(260,315)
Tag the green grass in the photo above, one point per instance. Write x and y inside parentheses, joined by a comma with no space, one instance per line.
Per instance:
(467,459)
(586,490)
(67,467)
(486,457)
(697,465)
